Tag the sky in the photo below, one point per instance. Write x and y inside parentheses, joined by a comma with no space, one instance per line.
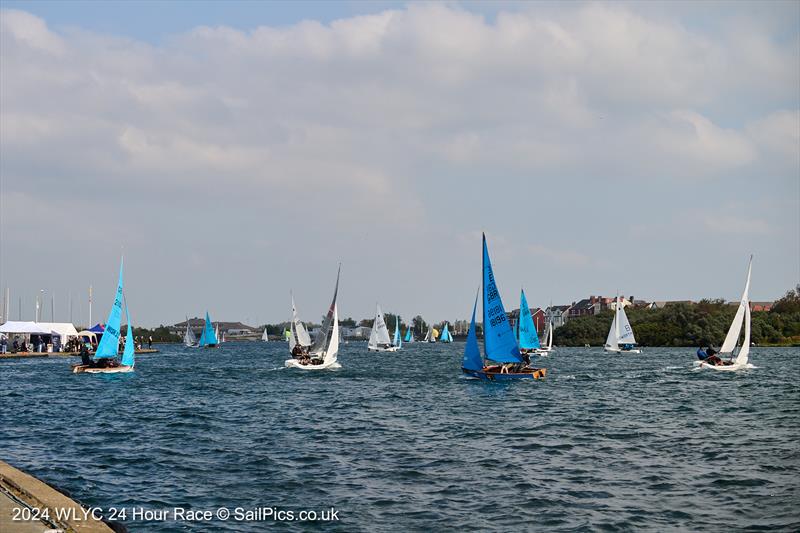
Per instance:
(235,151)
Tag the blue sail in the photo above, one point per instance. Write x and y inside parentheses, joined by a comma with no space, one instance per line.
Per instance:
(109,343)
(127,354)
(498,337)
(397,341)
(472,352)
(408,334)
(446,337)
(516,330)
(528,338)
(208,338)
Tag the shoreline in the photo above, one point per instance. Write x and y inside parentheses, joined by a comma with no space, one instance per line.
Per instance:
(31,355)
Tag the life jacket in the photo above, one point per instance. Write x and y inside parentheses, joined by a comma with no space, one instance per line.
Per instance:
(701,354)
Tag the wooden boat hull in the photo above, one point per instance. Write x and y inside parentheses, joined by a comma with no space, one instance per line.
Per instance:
(85,369)
(496,375)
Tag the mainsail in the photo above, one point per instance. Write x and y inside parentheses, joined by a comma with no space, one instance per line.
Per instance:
(742,318)
(109,343)
(499,342)
(548,336)
(298,333)
(528,338)
(620,331)
(446,336)
(324,333)
(380,333)
(397,340)
(265,336)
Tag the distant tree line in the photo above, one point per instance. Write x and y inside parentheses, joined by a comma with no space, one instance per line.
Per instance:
(159,334)
(703,323)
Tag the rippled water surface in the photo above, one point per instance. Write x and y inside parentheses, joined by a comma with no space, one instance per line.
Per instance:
(403,442)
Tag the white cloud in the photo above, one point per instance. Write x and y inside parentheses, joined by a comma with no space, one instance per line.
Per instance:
(405,126)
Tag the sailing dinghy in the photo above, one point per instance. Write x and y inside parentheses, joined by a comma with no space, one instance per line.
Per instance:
(322,355)
(409,334)
(528,337)
(620,336)
(299,339)
(379,340)
(397,340)
(189,340)
(104,360)
(208,339)
(446,336)
(742,317)
(265,336)
(499,344)
(547,347)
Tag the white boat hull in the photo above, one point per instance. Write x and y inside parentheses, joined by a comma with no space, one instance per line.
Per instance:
(612,350)
(380,349)
(700,365)
(294,363)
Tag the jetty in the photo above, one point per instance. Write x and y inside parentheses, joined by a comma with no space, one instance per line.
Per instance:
(26,355)
(19,490)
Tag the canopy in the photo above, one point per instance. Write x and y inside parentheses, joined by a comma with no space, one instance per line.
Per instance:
(97,328)
(65,329)
(88,334)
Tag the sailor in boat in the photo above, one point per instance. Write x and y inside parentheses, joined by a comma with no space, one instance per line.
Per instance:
(709,356)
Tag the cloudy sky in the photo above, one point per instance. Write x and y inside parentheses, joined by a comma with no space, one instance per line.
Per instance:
(235,151)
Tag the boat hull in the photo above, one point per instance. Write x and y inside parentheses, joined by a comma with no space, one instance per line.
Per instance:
(612,350)
(294,363)
(494,375)
(379,349)
(700,365)
(85,369)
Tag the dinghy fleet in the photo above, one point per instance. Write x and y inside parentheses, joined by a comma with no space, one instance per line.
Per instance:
(508,351)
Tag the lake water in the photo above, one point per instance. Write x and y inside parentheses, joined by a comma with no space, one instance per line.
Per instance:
(403,442)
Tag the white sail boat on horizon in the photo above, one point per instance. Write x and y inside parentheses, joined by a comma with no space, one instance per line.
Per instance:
(379,340)
(620,336)
(189,339)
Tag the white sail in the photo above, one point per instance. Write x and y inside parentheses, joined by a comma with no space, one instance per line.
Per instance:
(736,326)
(332,350)
(216,333)
(549,336)
(624,331)
(188,338)
(299,333)
(380,333)
(265,336)
(611,340)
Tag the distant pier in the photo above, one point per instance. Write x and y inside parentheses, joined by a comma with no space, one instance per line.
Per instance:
(26,355)
(21,491)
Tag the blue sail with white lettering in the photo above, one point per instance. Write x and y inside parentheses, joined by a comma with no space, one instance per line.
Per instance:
(127,354)
(528,338)
(208,338)
(472,352)
(498,337)
(109,342)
